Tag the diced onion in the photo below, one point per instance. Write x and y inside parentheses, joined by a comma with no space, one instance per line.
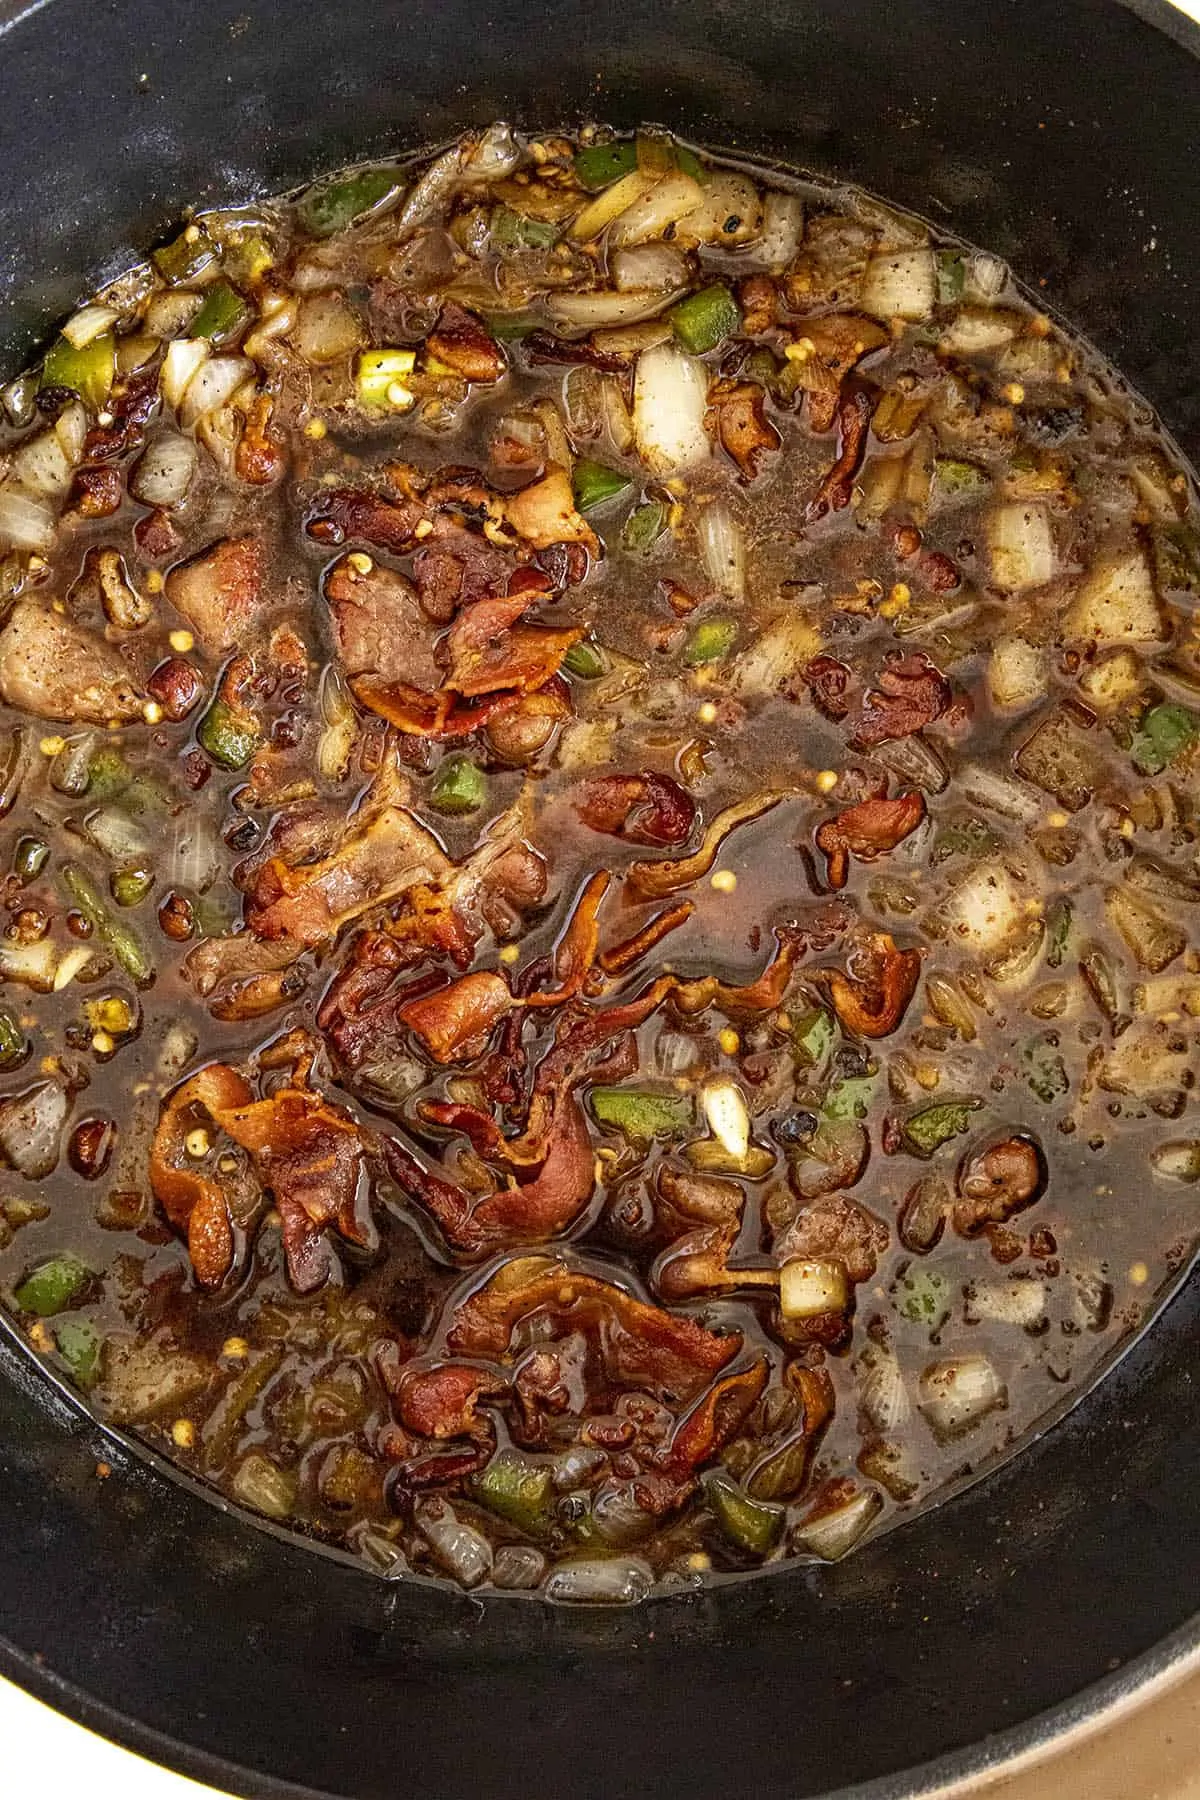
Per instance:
(985,909)
(88,323)
(33,965)
(730,212)
(26,523)
(462,1551)
(71,428)
(1016,673)
(263,1486)
(978,329)
(726,1116)
(617,1515)
(336,742)
(782,229)
(608,306)
(1178,1160)
(31,1129)
(998,793)
(114,834)
(180,364)
(41,465)
(1020,1301)
(957,1392)
(831,1534)
(1020,544)
(169,313)
(669,201)
(984,277)
(882,1392)
(613,1581)
(212,386)
(1117,603)
(164,471)
(723,549)
(326,328)
(648,267)
(903,286)
(670,398)
(196,853)
(809,1289)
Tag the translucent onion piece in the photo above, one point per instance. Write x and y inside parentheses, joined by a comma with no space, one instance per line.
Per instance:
(88,323)
(670,397)
(985,277)
(31,1127)
(809,1289)
(1016,673)
(726,1116)
(164,471)
(1178,1160)
(649,266)
(336,742)
(1020,1301)
(669,201)
(607,306)
(998,793)
(116,836)
(882,1392)
(32,965)
(903,286)
(957,1392)
(723,549)
(212,386)
(462,1551)
(1020,544)
(183,358)
(71,428)
(612,1581)
(782,229)
(26,523)
(41,465)
(831,1535)
(196,854)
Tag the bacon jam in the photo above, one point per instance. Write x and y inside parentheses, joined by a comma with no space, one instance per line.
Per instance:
(598,787)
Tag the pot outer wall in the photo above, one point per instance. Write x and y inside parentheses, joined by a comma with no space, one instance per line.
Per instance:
(1062,137)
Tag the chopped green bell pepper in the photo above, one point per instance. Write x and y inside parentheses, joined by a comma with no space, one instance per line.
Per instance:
(594,483)
(330,206)
(1165,733)
(229,734)
(706,319)
(30,857)
(923,1297)
(186,256)
(642,1116)
(516,1489)
(13,1042)
(599,165)
(1058,932)
(849,1098)
(812,1034)
(459,786)
(927,1130)
(710,640)
(88,371)
(129,887)
(750,1525)
(951,277)
(957,476)
(113,933)
(53,1286)
(1045,1071)
(380,378)
(516,231)
(644,527)
(223,314)
(79,1344)
(586,660)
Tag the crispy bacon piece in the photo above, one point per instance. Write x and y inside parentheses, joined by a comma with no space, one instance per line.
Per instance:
(866,831)
(855,405)
(831,684)
(220,592)
(715,1417)
(737,412)
(339,514)
(657,879)
(454,1021)
(442,1402)
(96,493)
(703,1214)
(489,650)
(455,566)
(544,513)
(998,1181)
(758,298)
(763,995)
(622,956)
(641,1345)
(260,458)
(643,809)
(872,997)
(376,862)
(130,406)
(241,976)
(912,692)
(193,1200)
(544,347)
(463,342)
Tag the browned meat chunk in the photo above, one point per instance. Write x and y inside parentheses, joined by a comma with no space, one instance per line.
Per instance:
(57,670)
(379,626)
(220,593)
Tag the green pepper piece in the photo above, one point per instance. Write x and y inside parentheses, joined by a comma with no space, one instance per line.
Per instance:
(641,1115)
(1045,1071)
(762,367)
(586,660)
(1058,932)
(849,1098)
(812,1034)
(459,786)
(599,165)
(923,1297)
(223,314)
(516,231)
(961,478)
(644,527)
(88,371)
(381,378)
(79,1344)
(118,937)
(690,164)
(108,775)
(594,483)
(1177,558)
(1165,733)
(516,1489)
(710,640)
(927,1130)
(30,857)
(14,1045)
(331,206)
(964,837)
(248,257)
(129,887)
(511,326)
(951,277)
(186,256)
(230,735)
(52,1286)
(750,1525)
(706,319)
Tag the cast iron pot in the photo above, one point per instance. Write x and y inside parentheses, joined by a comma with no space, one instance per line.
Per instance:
(1063,136)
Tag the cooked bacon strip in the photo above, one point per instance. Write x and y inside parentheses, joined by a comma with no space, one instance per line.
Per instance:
(764,995)
(831,683)
(338,514)
(641,1345)
(737,411)
(866,831)
(544,347)
(454,1021)
(623,956)
(717,1416)
(872,997)
(643,809)
(129,408)
(242,976)
(855,406)
(490,650)
(656,879)
(442,1402)
(463,342)
(912,693)
(577,947)
(704,1213)
(194,1201)
(376,862)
